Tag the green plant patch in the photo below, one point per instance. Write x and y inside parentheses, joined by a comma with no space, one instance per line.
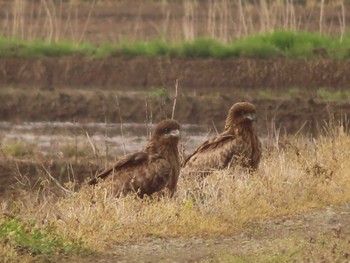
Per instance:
(294,45)
(26,237)
(294,92)
(255,47)
(72,150)
(21,48)
(18,149)
(159,92)
(336,95)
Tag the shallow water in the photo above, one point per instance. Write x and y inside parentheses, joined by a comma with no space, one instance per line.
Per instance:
(63,138)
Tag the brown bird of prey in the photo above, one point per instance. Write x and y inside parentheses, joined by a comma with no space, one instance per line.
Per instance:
(238,144)
(152,170)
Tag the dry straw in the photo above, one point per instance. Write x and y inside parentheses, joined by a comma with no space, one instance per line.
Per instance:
(223,20)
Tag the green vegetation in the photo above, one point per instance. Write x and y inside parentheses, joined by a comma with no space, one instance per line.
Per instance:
(284,44)
(159,92)
(322,94)
(291,93)
(15,148)
(72,150)
(20,48)
(27,237)
(335,95)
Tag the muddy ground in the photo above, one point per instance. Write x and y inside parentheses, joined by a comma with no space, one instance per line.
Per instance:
(125,73)
(137,89)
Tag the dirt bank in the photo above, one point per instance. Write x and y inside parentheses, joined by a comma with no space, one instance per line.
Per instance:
(208,108)
(141,72)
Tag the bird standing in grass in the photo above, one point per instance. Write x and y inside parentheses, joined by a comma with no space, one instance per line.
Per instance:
(152,170)
(238,144)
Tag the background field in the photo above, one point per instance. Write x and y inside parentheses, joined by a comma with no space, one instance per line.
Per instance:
(82,81)
(112,21)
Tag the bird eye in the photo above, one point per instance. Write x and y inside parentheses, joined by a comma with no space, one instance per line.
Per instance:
(241,112)
(166,130)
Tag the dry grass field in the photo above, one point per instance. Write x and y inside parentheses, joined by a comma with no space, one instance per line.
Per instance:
(297,176)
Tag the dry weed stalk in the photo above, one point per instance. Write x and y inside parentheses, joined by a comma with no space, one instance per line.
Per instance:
(92,145)
(121,123)
(87,21)
(242,24)
(175,98)
(321,16)
(271,15)
(342,20)
(188,25)
(23,20)
(149,118)
(106,133)
(219,19)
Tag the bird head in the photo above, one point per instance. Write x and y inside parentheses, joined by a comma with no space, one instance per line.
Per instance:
(241,113)
(167,131)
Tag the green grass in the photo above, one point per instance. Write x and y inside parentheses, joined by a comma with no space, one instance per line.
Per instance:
(322,94)
(159,92)
(336,95)
(294,92)
(285,44)
(292,45)
(72,151)
(15,148)
(19,48)
(27,237)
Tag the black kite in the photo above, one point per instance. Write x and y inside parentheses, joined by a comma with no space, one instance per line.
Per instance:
(151,170)
(237,144)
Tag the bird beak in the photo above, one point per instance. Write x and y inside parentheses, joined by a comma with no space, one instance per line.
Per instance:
(175,133)
(251,116)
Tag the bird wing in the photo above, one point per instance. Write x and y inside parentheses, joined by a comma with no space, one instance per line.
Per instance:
(124,162)
(211,144)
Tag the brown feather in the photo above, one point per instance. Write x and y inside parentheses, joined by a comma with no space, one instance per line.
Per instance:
(151,170)
(238,144)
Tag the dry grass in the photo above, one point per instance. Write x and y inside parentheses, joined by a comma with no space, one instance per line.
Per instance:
(294,177)
(223,20)
(325,247)
(9,254)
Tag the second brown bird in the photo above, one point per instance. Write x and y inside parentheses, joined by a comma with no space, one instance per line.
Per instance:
(238,144)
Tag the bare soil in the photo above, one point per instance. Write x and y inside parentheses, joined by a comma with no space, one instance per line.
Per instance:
(95,90)
(123,73)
